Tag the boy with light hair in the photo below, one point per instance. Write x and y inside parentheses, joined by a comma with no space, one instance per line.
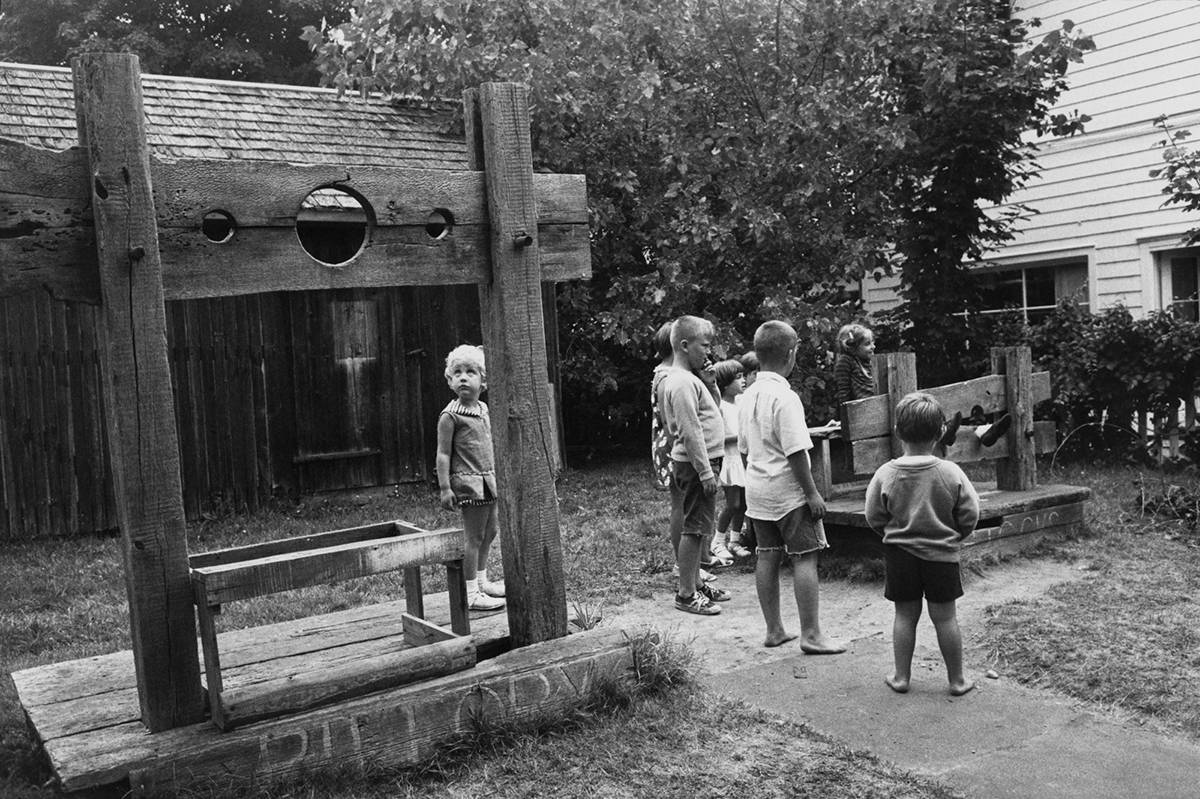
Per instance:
(782,500)
(693,422)
(923,507)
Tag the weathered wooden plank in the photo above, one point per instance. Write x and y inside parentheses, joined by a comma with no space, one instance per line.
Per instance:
(871,453)
(265,193)
(514,331)
(301,543)
(8,477)
(869,417)
(228,582)
(51,242)
(418,631)
(58,684)
(47,190)
(1029,521)
(72,697)
(195,267)
(137,388)
(322,683)
(1018,471)
(46,238)
(902,380)
(65,491)
(990,545)
(398,726)
(847,510)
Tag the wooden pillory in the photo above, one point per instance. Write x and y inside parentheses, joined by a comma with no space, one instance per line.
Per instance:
(512,230)
(1015,512)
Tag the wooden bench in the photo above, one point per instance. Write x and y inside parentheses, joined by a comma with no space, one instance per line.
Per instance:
(427,649)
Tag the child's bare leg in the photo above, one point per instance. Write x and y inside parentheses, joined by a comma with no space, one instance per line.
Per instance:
(808,602)
(904,641)
(491,527)
(474,525)
(766,583)
(688,560)
(727,513)
(945,621)
(675,528)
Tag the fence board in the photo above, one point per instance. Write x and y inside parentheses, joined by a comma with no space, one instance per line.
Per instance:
(239,432)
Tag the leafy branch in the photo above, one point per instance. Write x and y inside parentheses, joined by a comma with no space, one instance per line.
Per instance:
(1181,173)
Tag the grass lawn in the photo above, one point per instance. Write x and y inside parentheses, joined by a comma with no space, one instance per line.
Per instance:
(1126,637)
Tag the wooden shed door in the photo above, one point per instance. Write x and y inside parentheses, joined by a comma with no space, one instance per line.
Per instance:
(338,370)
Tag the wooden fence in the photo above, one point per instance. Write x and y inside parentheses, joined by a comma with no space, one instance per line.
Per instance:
(274,393)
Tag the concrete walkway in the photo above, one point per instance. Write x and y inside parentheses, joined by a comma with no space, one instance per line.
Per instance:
(1000,740)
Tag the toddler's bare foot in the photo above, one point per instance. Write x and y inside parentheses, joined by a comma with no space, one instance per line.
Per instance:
(821,646)
(778,639)
(897,684)
(963,687)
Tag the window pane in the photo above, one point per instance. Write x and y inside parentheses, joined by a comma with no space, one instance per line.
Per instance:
(1039,286)
(1183,287)
(1001,290)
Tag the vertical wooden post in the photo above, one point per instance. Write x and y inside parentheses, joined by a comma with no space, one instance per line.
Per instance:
(1017,472)
(497,119)
(137,390)
(901,379)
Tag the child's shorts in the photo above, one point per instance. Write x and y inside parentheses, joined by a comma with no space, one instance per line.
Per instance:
(797,533)
(687,495)
(473,489)
(908,577)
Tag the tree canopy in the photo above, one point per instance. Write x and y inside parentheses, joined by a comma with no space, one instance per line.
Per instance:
(255,40)
(745,159)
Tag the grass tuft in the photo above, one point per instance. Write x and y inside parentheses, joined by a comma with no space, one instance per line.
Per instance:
(661,663)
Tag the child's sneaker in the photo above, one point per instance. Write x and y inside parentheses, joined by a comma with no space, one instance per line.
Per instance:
(492,588)
(481,601)
(697,603)
(721,553)
(713,594)
(737,550)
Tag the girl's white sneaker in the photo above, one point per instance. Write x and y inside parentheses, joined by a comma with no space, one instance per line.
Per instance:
(492,587)
(481,601)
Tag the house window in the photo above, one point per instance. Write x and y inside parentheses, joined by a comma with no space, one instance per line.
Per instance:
(1033,290)
(1178,270)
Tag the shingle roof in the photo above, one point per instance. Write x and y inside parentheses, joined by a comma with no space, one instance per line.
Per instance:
(192,118)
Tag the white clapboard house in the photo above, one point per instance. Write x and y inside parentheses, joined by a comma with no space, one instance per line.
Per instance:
(1101,232)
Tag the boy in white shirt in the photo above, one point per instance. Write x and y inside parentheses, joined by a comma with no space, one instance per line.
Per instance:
(781,498)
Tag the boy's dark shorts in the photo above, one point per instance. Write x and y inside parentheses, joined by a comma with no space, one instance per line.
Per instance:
(699,510)
(796,533)
(908,577)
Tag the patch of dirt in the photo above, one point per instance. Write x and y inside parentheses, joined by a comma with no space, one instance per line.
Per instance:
(849,612)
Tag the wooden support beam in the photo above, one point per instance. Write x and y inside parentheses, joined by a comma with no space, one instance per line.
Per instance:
(1017,472)
(137,390)
(521,408)
(901,380)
